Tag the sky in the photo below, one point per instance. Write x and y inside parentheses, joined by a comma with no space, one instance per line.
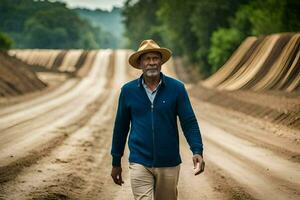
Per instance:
(93,4)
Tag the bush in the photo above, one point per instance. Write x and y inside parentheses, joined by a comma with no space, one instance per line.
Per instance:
(223,43)
(5,42)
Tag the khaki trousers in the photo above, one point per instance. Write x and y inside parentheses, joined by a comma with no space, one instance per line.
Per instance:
(154,183)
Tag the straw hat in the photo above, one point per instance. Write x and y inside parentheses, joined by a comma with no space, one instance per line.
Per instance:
(147,46)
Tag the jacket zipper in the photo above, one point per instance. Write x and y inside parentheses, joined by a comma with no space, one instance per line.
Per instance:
(152,106)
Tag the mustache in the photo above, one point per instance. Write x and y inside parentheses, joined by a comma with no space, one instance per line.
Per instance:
(150,67)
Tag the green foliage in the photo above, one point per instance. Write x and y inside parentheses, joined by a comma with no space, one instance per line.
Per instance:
(273,16)
(223,43)
(184,26)
(5,41)
(291,16)
(256,18)
(241,20)
(140,18)
(207,31)
(209,15)
(225,40)
(175,15)
(266,16)
(38,35)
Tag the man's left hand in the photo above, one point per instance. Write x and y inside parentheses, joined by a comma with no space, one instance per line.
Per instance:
(199,164)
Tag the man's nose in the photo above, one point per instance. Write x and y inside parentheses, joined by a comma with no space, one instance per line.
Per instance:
(152,62)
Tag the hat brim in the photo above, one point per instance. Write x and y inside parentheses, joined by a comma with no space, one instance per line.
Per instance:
(134,58)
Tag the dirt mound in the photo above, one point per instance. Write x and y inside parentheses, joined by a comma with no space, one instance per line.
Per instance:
(266,63)
(74,61)
(16,78)
(280,109)
(277,109)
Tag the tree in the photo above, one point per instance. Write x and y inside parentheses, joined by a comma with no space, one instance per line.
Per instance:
(174,16)
(140,21)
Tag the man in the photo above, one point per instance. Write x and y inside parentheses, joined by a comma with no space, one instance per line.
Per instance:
(149,106)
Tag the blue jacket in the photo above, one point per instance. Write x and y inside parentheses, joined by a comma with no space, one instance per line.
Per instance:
(153,140)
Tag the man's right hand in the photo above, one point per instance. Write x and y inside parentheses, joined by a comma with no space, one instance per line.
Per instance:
(116,174)
(199,164)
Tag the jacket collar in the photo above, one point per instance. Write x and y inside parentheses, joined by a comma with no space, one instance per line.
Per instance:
(162,78)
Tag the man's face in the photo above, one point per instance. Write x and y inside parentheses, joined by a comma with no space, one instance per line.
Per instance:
(151,64)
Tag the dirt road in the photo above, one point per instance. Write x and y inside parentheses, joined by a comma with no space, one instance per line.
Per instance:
(57,146)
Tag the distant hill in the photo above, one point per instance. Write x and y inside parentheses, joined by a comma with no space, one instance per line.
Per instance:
(109,21)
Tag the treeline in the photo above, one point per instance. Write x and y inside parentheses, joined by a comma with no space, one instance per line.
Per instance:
(45,24)
(206,32)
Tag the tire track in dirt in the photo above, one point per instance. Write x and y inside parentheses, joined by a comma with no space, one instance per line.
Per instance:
(11,165)
(68,85)
(211,184)
(85,86)
(260,172)
(67,175)
(251,129)
(89,93)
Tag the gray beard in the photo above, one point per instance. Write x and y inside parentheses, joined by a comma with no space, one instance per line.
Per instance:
(152,73)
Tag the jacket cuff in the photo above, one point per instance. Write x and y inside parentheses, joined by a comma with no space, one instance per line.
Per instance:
(198,152)
(116,161)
